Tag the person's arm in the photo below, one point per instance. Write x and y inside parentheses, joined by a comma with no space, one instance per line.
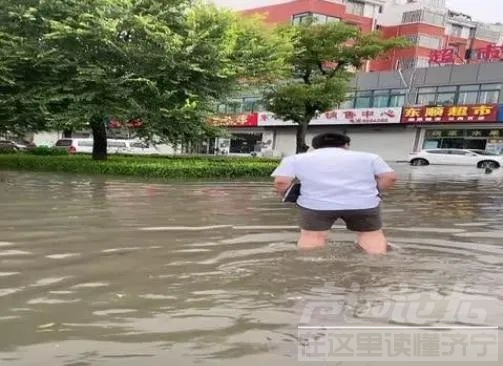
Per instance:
(384,174)
(284,175)
(386,180)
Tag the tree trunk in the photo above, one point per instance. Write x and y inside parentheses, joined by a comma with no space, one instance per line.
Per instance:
(301,137)
(99,138)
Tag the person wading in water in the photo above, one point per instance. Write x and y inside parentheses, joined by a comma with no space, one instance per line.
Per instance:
(337,183)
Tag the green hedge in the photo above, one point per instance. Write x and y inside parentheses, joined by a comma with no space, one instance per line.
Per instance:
(184,167)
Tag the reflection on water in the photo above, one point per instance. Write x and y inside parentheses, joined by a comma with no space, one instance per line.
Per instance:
(97,271)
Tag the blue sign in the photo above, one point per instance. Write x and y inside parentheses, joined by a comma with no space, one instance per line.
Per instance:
(500,113)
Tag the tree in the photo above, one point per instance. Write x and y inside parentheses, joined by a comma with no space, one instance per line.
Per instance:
(321,67)
(162,61)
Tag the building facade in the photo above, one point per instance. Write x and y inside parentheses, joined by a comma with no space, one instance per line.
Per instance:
(438,35)
(393,113)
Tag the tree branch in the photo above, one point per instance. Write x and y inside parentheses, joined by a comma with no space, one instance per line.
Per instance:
(306,76)
(339,66)
(320,66)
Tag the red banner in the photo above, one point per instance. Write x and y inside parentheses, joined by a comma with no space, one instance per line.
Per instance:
(132,123)
(235,120)
(446,56)
(457,113)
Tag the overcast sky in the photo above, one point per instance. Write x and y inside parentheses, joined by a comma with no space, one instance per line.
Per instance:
(484,10)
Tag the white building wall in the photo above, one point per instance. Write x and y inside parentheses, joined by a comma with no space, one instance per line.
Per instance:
(391,143)
(46,138)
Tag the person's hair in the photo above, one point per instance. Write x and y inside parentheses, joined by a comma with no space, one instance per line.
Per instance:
(330,140)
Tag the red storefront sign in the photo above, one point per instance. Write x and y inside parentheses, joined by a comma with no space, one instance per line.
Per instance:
(490,53)
(132,123)
(457,113)
(235,120)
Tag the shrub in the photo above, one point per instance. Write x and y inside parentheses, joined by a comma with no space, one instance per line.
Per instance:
(45,150)
(7,150)
(141,166)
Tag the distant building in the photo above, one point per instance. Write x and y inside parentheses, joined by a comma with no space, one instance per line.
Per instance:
(438,35)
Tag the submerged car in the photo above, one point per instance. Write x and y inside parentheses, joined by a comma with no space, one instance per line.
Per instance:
(467,157)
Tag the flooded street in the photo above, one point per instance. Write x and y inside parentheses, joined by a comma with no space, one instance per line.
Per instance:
(109,271)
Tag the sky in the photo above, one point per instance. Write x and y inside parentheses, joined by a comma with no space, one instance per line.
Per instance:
(483,10)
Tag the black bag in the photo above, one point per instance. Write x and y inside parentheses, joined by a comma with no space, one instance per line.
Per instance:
(292,193)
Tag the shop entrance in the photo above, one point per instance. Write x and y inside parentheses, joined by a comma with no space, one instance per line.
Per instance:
(475,139)
(245,143)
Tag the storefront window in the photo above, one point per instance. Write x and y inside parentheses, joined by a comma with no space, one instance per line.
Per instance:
(475,139)
(245,143)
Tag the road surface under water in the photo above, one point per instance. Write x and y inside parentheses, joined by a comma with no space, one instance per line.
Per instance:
(110,271)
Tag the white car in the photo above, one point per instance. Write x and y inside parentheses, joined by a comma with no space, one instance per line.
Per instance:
(476,158)
(83,145)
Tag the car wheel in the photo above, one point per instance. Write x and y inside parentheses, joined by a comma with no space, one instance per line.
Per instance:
(419,162)
(488,164)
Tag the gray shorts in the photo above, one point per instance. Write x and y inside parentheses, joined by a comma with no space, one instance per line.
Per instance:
(356,220)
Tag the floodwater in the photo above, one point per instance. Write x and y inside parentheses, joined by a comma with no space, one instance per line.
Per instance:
(110,271)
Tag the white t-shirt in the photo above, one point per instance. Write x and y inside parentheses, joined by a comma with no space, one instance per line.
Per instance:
(335,178)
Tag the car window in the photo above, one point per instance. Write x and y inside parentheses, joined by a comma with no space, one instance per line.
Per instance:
(458,152)
(116,144)
(139,145)
(483,152)
(64,143)
(85,143)
(436,151)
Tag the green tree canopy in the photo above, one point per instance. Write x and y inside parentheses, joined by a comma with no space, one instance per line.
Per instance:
(162,61)
(322,64)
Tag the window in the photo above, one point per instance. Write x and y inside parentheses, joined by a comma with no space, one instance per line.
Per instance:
(318,18)
(301,18)
(381,99)
(116,144)
(243,143)
(456,30)
(429,42)
(355,7)
(433,18)
(446,95)
(139,145)
(397,97)
(363,99)
(375,99)
(249,105)
(489,93)
(64,143)
(412,16)
(426,96)
(468,94)
(412,38)
(85,143)
(463,94)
